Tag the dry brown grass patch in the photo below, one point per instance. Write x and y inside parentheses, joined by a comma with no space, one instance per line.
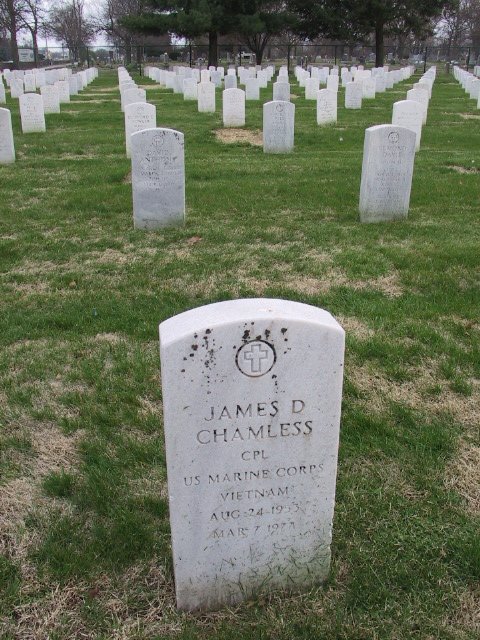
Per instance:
(463,475)
(232,136)
(378,390)
(464,170)
(467,615)
(469,116)
(353,325)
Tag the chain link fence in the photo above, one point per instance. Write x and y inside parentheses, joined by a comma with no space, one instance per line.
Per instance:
(291,54)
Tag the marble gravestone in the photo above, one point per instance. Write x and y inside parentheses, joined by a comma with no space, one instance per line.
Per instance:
(190,89)
(158,178)
(138,116)
(252,392)
(281,91)
(31,113)
(409,113)
(387,170)
(278,126)
(51,98)
(353,95)
(420,96)
(206,97)
(133,95)
(332,83)
(230,81)
(7,147)
(3,98)
(252,89)
(16,88)
(233,108)
(326,106)
(311,88)
(29,83)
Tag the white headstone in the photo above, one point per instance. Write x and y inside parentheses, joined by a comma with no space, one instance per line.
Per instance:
(31,113)
(16,88)
(409,113)
(251,394)
(138,116)
(262,77)
(332,83)
(73,85)
(230,81)
(353,95)
(419,96)
(369,87)
(281,91)
(133,95)
(29,83)
(387,170)
(233,108)
(278,126)
(326,106)
(206,97)
(311,88)
(190,89)
(158,178)
(7,147)
(252,89)
(63,87)
(3,98)
(51,98)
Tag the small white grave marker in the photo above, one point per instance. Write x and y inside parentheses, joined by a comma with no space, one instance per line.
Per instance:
(31,113)
(387,170)
(278,127)
(138,116)
(158,178)
(7,147)
(233,108)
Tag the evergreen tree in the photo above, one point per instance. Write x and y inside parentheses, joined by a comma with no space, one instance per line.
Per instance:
(359,19)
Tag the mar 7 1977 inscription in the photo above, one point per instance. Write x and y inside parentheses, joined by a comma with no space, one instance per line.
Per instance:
(252,394)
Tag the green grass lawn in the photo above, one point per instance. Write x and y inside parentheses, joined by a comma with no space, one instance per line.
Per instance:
(84,530)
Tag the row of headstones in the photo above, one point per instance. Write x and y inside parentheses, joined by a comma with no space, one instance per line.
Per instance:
(139,114)
(389,155)
(359,83)
(34,106)
(470,83)
(233,103)
(158,170)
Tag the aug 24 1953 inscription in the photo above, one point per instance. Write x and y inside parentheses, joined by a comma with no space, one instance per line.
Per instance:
(252,393)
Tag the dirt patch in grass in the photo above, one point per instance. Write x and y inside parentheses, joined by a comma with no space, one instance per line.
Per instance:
(463,475)
(355,327)
(60,610)
(128,178)
(469,116)
(247,136)
(467,615)
(378,390)
(464,170)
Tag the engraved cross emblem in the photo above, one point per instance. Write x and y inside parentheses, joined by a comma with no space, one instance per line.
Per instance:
(255,358)
(255,355)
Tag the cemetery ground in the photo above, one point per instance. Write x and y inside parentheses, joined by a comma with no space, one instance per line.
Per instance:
(84,530)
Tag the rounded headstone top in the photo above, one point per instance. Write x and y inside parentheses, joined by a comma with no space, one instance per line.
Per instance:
(234,311)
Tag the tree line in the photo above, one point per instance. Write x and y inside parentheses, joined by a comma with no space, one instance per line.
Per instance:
(252,23)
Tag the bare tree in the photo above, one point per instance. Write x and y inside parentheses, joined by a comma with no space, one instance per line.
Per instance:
(68,24)
(32,17)
(10,17)
(108,21)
